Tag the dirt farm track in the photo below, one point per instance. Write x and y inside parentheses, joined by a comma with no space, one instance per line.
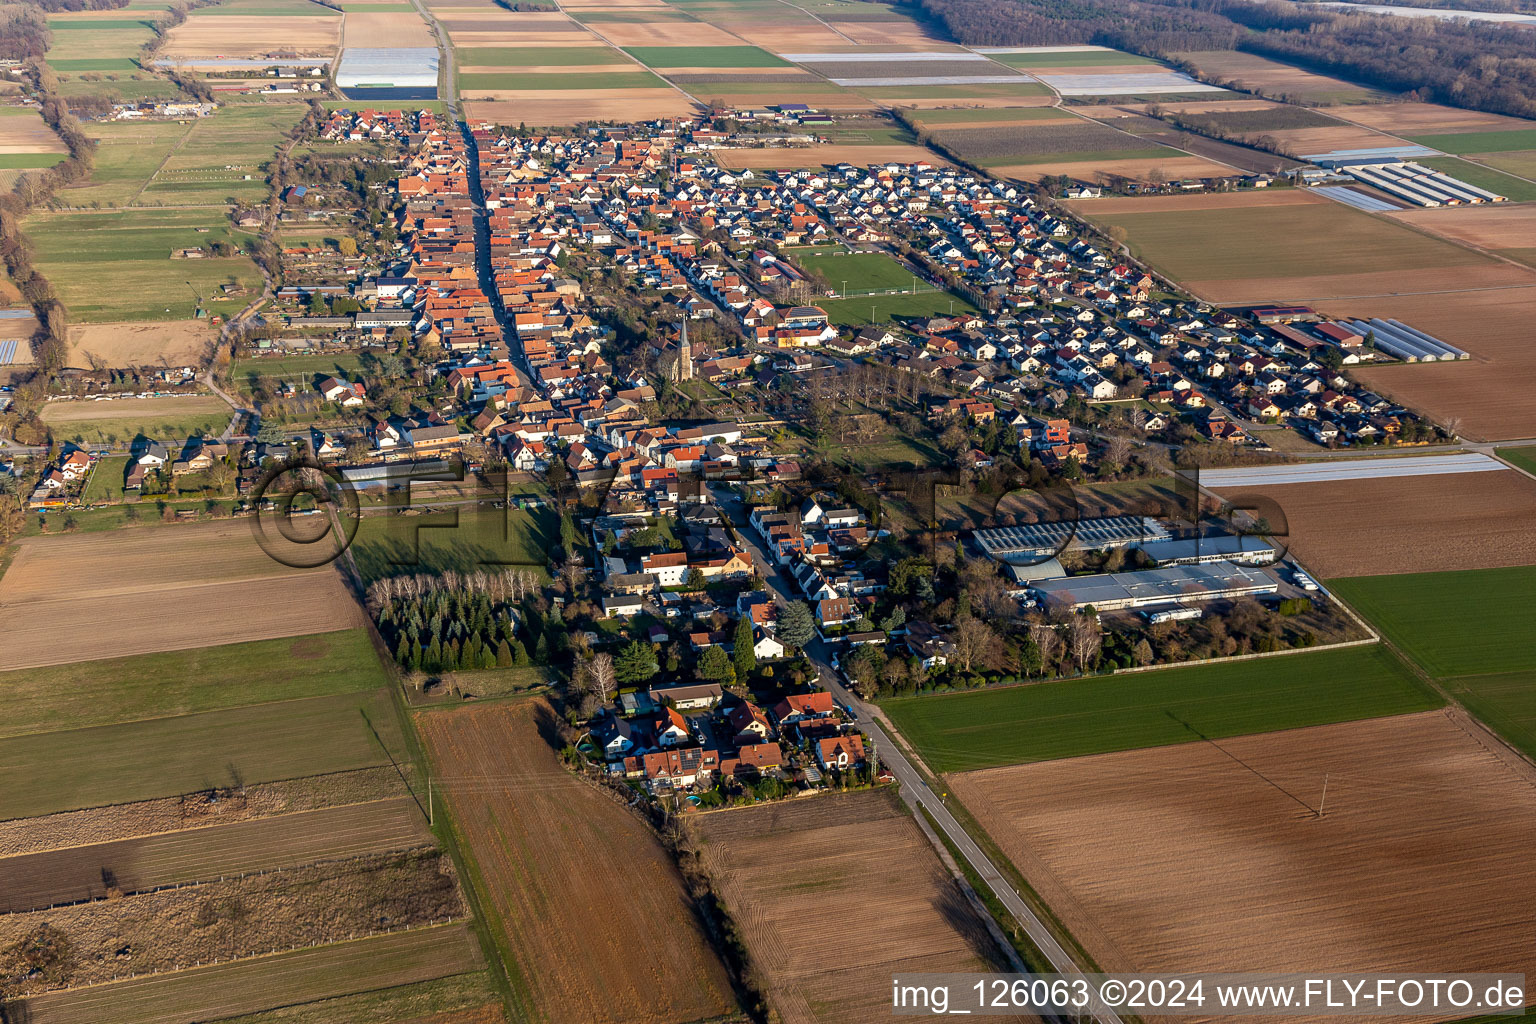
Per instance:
(80,597)
(1212,856)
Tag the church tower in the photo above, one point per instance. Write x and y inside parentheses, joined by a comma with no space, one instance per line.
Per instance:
(685,355)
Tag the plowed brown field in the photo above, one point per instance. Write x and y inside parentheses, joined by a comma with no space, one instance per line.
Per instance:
(545,108)
(817,156)
(793,874)
(1409,524)
(1212,857)
(584,899)
(87,596)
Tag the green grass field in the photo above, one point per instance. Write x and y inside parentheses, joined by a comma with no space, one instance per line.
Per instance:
(1515,189)
(463,539)
(47,772)
(1470,630)
(860,272)
(705,57)
(983,729)
(117,266)
(204,414)
(171,683)
(553,81)
(1452,623)
(882,309)
(514,57)
(1525,458)
(1276,241)
(1521,162)
(106,483)
(1479,142)
(295,368)
(27,161)
(1080,59)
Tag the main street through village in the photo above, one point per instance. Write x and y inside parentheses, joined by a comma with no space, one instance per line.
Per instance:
(914,788)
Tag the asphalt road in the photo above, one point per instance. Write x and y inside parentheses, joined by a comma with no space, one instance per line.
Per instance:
(913,788)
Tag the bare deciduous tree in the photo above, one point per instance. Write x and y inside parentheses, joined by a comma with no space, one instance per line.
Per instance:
(600,677)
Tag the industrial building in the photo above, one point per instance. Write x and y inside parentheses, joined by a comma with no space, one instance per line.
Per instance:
(1035,541)
(1400,341)
(1419,185)
(1243,549)
(408,72)
(1175,585)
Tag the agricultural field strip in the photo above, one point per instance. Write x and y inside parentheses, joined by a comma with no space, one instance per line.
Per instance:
(37,880)
(247,986)
(1350,469)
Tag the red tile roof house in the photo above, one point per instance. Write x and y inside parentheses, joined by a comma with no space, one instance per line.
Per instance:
(748,723)
(799,707)
(753,759)
(841,752)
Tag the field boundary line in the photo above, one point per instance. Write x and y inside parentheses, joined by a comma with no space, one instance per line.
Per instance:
(169,718)
(196,828)
(232,877)
(198,965)
(1374,638)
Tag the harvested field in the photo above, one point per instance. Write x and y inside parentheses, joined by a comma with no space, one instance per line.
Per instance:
(886,33)
(386,30)
(1402,525)
(1485,227)
(249,986)
(568,936)
(861,864)
(564,81)
(817,156)
(22,130)
(1259,248)
(786,36)
(996,145)
(540,108)
(1228,833)
(1423,118)
(40,880)
(157,590)
(704,57)
(1329,138)
(459,999)
(1491,394)
(1260,120)
(942,119)
(303,906)
(240,35)
(1175,165)
(101,825)
(1275,78)
(668,33)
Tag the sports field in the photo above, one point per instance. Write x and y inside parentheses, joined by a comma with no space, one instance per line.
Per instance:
(883,309)
(464,540)
(860,272)
(167,419)
(980,729)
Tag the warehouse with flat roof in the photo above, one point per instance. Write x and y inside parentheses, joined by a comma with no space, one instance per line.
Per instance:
(1173,585)
(1044,540)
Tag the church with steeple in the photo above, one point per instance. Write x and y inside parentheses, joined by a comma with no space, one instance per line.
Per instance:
(682,369)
